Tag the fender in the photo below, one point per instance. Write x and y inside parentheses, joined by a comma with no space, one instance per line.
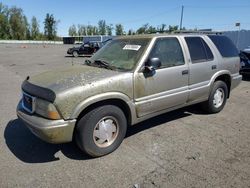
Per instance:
(101,97)
(217,74)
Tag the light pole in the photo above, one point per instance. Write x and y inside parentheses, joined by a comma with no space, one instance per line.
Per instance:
(238,36)
(182,9)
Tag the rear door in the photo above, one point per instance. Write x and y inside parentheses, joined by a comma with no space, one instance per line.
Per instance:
(81,49)
(202,64)
(168,86)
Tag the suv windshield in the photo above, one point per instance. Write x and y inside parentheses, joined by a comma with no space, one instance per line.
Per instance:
(122,54)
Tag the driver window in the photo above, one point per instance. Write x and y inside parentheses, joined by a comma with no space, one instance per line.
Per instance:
(169,51)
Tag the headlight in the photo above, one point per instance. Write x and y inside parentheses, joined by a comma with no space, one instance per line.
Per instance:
(46,109)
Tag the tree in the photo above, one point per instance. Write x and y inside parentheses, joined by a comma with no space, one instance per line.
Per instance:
(82,30)
(143,29)
(151,29)
(130,32)
(34,28)
(4,23)
(72,30)
(89,30)
(17,23)
(172,28)
(161,28)
(119,30)
(92,30)
(27,28)
(109,29)
(95,30)
(50,27)
(102,27)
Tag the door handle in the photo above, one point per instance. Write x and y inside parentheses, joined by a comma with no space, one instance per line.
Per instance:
(184,72)
(214,67)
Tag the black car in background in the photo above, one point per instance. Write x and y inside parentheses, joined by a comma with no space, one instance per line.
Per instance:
(87,48)
(245,62)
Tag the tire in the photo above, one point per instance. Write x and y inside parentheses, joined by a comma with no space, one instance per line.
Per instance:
(75,54)
(101,131)
(217,98)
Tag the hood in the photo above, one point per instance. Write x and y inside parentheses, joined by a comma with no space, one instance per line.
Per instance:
(64,79)
(67,88)
(74,48)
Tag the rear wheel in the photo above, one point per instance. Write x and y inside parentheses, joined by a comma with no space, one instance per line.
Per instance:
(217,98)
(101,130)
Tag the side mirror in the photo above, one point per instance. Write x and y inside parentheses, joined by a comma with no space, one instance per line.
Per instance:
(152,64)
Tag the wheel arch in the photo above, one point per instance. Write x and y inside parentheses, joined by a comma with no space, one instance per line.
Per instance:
(117,99)
(225,77)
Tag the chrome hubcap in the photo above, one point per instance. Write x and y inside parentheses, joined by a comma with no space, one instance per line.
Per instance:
(218,97)
(106,131)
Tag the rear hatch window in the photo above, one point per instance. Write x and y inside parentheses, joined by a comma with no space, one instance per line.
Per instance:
(224,45)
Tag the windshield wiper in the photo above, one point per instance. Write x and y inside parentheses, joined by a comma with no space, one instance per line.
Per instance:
(104,64)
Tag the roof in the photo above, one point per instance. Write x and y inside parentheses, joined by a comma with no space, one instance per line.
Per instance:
(166,34)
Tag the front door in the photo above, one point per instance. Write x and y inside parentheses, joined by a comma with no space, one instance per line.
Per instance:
(166,87)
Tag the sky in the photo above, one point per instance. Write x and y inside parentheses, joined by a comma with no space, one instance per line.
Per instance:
(215,14)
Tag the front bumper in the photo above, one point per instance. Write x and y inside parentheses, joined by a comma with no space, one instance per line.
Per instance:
(236,79)
(245,70)
(70,52)
(52,131)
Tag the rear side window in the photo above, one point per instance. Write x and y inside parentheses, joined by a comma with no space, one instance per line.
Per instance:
(224,45)
(198,49)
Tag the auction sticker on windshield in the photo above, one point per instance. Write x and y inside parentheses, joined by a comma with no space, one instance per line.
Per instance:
(131,47)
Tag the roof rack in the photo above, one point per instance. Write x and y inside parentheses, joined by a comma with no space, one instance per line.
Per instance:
(199,32)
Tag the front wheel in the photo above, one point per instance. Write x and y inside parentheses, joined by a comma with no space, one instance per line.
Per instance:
(217,98)
(75,54)
(101,130)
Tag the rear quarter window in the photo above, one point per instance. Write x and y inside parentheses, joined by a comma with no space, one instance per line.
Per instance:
(224,45)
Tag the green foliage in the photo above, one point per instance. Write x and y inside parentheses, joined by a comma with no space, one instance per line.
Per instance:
(143,29)
(50,27)
(131,32)
(161,28)
(72,30)
(172,28)
(4,23)
(14,25)
(17,23)
(151,29)
(109,29)
(146,29)
(119,30)
(34,29)
(102,27)
(92,30)
(82,30)
(27,28)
